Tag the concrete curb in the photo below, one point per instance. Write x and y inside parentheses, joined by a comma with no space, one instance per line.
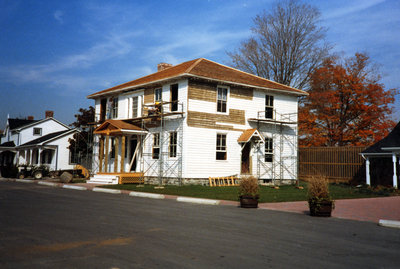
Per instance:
(79,188)
(52,184)
(107,190)
(198,201)
(25,180)
(147,195)
(3,179)
(389,223)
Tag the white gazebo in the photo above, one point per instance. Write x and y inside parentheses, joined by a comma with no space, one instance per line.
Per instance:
(387,148)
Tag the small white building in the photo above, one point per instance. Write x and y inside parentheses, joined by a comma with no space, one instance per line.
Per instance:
(36,142)
(195,120)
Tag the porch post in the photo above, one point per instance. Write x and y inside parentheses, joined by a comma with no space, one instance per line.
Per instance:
(116,147)
(39,159)
(394,171)
(367,175)
(106,157)
(101,154)
(122,154)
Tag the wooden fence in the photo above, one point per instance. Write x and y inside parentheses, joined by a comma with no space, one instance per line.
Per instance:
(338,164)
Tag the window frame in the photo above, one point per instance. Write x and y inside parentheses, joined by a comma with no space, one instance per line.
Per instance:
(221,100)
(269,106)
(221,147)
(158,95)
(35,129)
(135,112)
(114,108)
(173,144)
(269,150)
(156,146)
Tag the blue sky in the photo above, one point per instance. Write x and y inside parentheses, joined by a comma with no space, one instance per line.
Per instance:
(55,53)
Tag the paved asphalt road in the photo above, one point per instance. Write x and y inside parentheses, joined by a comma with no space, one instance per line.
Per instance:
(45,227)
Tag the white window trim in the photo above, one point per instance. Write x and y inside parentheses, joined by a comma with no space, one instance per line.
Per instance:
(37,128)
(176,145)
(161,88)
(273,105)
(227,100)
(226,147)
(269,153)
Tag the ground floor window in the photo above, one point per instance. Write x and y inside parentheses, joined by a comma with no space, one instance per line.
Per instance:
(156,146)
(269,150)
(172,144)
(221,147)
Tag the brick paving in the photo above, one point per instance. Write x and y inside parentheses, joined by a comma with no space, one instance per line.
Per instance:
(367,209)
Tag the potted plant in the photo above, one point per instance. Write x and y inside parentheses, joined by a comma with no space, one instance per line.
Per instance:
(319,200)
(249,192)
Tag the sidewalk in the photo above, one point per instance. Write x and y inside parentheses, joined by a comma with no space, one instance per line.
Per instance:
(367,209)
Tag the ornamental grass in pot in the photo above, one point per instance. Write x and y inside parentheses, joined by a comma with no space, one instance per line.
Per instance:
(319,200)
(249,192)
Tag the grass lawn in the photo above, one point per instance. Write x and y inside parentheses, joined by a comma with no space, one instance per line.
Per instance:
(267,194)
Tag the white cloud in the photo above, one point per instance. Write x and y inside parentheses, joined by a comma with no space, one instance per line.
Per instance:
(349,7)
(58,15)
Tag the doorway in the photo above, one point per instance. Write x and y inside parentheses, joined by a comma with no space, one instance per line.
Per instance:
(133,146)
(245,168)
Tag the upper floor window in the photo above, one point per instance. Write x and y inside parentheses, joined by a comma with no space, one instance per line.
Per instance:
(221,147)
(269,150)
(156,146)
(135,106)
(269,107)
(174,97)
(222,97)
(112,108)
(158,95)
(37,131)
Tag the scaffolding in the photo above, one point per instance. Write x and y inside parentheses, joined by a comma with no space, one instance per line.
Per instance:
(284,134)
(165,118)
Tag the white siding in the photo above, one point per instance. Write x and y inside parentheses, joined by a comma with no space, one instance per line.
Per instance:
(48,126)
(62,158)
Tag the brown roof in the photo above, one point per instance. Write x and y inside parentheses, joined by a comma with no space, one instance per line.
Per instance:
(247,135)
(202,68)
(115,127)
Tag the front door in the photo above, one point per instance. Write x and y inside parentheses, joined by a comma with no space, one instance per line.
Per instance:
(132,152)
(246,159)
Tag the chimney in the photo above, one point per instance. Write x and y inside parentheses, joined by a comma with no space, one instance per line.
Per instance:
(163,66)
(49,114)
(31,118)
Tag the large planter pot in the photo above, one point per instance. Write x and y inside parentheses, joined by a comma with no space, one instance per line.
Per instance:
(248,201)
(321,208)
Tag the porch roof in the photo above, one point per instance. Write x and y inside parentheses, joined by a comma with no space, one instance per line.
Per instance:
(118,127)
(249,134)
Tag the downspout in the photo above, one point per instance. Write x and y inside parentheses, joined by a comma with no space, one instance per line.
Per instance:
(56,158)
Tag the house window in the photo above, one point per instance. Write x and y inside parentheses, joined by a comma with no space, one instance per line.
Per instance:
(158,95)
(222,97)
(172,144)
(269,150)
(174,97)
(37,131)
(135,106)
(221,147)
(156,146)
(269,107)
(115,108)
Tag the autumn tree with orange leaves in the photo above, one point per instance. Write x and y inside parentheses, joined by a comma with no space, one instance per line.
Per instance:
(347,105)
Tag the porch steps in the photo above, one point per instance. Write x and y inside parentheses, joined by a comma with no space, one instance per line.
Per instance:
(103,179)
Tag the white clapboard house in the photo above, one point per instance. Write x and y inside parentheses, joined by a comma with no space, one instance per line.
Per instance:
(195,120)
(36,142)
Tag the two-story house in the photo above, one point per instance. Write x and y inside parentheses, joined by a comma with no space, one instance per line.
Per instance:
(36,142)
(195,120)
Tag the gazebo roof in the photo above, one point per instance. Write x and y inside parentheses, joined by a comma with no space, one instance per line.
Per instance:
(392,140)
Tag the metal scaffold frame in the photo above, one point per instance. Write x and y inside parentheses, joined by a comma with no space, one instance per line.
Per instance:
(284,134)
(158,116)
